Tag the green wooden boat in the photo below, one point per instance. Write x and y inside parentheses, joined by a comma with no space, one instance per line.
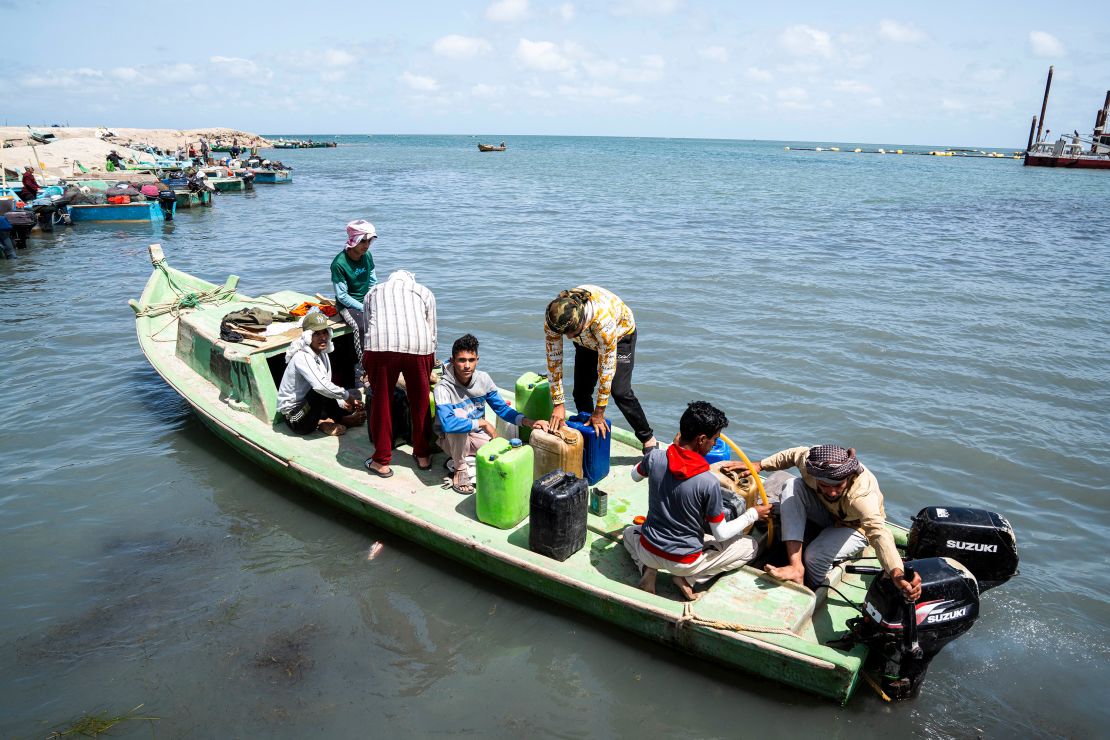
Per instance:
(193,198)
(746,620)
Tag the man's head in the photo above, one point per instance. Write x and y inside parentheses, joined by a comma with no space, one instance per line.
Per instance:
(360,235)
(700,426)
(464,357)
(833,467)
(28,168)
(317,323)
(567,313)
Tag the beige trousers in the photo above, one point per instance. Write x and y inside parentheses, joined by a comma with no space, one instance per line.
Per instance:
(719,557)
(459,446)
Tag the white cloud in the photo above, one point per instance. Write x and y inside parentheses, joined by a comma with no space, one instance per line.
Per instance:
(506,11)
(598,92)
(419,83)
(902,33)
(1045,44)
(543,55)
(177,72)
(125,73)
(758,75)
(243,69)
(722,99)
(714,54)
(338,58)
(482,90)
(646,7)
(853,86)
(794,97)
(806,41)
(952,104)
(460,47)
(198,90)
(566,12)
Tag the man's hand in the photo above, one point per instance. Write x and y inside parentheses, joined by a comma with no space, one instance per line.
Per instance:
(910,590)
(597,421)
(537,424)
(741,468)
(764,511)
(485,426)
(558,416)
(352,403)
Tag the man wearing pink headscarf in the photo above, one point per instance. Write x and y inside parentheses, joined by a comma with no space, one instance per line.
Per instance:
(352,274)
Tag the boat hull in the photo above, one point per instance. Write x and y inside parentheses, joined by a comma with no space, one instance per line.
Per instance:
(127,212)
(1078,163)
(272,177)
(228,184)
(193,198)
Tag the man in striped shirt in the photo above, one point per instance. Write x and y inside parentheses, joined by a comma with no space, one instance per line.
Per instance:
(400,339)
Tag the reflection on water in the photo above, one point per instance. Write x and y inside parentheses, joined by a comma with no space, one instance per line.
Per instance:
(946,319)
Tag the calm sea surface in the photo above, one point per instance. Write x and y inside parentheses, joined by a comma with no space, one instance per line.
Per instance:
(946,317)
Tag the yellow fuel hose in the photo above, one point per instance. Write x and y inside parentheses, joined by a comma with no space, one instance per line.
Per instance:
(758,485)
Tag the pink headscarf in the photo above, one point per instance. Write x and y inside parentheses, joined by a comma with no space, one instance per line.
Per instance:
(359,230)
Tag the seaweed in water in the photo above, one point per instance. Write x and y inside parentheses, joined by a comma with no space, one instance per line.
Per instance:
(283,655)
(95,725)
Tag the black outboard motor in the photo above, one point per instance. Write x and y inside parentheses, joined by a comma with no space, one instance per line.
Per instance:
(981,540)
(22,222)
(248,180)
(168,200)
(905,637)
(959,553)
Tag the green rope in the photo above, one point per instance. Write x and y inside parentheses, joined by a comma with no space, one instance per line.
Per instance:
(184,300)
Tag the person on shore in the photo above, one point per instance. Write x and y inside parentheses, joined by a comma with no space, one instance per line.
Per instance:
(603,331)
(306,397)
(461,396)
(116,161)
(6,245)
(30,189)
(352,275)
(683,496)
(204,151)
(837,493)
(400,339)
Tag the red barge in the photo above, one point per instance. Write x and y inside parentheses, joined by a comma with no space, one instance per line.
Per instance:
(1070,151)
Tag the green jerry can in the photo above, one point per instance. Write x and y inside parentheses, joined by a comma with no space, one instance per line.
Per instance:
(533,399)
(504,482)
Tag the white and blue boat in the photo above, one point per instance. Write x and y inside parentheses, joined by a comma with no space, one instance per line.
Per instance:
(123,212)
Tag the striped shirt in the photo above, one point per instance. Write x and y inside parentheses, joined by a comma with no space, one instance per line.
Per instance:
(400,316)
(608,320)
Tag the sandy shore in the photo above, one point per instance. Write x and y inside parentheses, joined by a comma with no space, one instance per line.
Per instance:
(90,146)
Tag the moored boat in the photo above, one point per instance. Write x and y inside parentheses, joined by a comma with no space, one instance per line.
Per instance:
(272,177)
(1070,151)
(122,212)
(747,620)
(192,198)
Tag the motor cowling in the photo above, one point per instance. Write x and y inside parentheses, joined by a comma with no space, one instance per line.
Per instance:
(982,540)
(901,651)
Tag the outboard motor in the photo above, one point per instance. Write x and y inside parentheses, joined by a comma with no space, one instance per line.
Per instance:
(22,221)
(248,180)
(981,540)
(168,200)
(959,553)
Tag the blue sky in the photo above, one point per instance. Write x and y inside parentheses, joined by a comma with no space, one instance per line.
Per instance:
(937,73)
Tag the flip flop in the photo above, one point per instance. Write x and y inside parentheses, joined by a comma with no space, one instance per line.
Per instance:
(464,490)
(425,467)
(366,464)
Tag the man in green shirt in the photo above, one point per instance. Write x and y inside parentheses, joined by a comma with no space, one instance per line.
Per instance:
(352,274)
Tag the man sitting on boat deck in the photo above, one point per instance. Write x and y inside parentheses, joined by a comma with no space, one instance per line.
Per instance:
(603,332)
(352,274)
(683,495)
(306,397)
(461,396)
(400,339)
(837,493)
(30,189)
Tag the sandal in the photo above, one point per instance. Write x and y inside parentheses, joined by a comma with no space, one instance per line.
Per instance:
(461,484)
(367,464)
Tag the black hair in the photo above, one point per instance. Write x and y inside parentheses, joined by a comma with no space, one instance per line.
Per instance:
(701,417)
(465,343)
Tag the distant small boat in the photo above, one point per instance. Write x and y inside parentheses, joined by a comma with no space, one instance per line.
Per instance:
(41,137)
(491,148)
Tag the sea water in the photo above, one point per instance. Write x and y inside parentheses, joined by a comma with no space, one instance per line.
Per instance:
(946,317)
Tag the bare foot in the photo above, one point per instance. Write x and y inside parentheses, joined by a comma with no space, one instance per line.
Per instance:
(647,580)
(786,572)
(685,589)
(353,420)
(332,429)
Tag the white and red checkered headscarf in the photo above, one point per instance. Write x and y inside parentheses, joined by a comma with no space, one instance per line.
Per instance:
(359,230)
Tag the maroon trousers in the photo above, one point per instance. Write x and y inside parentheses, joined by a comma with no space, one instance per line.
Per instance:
(382,368)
